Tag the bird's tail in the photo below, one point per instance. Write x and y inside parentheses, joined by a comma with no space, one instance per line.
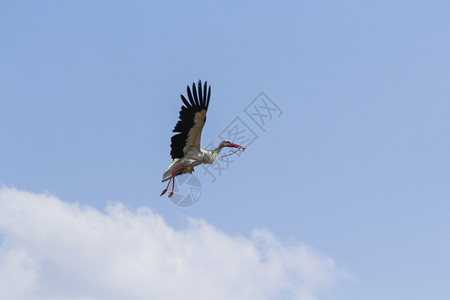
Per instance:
(169,170)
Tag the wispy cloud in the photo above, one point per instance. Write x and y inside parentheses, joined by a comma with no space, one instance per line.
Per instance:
(52,249)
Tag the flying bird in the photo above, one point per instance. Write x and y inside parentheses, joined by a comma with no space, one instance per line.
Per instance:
(186,148)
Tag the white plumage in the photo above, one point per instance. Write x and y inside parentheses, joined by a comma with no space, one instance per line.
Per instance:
(186,149)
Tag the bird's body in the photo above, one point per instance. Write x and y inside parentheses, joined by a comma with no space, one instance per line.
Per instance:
(185,147)
(192,159)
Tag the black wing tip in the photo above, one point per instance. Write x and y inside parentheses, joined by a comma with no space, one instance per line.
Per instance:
(197,97)
(205,83)
(209,96)
(185,102)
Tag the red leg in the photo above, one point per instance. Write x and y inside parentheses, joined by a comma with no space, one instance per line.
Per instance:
(175,173)
(173,187)
(172,177)
(167,187)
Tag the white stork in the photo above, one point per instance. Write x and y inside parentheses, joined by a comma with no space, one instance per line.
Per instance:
(186,151)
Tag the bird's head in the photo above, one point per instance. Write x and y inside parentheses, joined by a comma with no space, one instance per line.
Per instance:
(227,143)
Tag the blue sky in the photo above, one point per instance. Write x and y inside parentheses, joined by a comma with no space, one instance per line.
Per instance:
(356,168)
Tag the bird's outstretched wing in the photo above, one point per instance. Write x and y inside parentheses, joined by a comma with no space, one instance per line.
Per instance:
(192,119)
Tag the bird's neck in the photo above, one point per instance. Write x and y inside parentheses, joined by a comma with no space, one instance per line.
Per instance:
(213,154)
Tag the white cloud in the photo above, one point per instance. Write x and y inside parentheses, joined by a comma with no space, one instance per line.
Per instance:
(56,250)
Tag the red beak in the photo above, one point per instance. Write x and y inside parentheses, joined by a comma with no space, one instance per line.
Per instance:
(236,146)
